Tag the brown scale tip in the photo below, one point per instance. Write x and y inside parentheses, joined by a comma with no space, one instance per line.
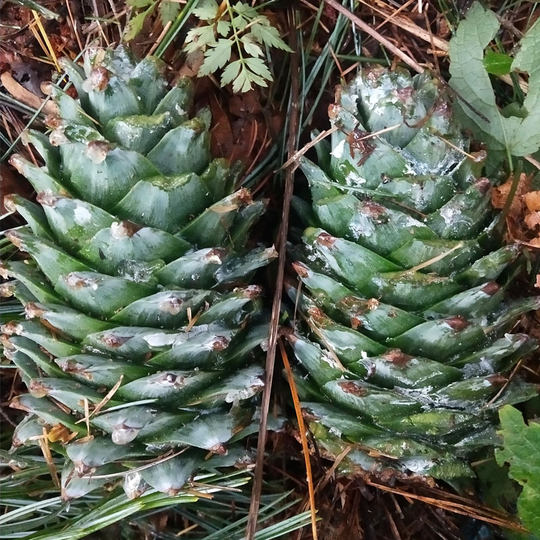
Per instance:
(73,367)
(32,310)
(9,203)
(47,198)
(7,290)
(53,121)
(478,156)
(124,229)
(38,388)
(114,341)
(404,94)
(171,305)
(373,209)
(482,185)
(172,379)
(442,108)
(457,323)
(11,328)
(99,78)
(355,322)
(497,380)
(289,336)
(301,269)
(82,468)
(285,331)
(4,272)
(76,281)
(14,238)
(251,291)
(326,239)
(216,255)
(15,403)
(351,387)
(244,196)
(316,314)
(220,343)
(219,448)
(397,357)
(491,288)
(17,162)
(333,109)
(309,415)
(6,344)
(97,151)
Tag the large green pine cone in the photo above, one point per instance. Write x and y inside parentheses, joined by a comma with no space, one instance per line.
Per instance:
(142,321)
(404,345)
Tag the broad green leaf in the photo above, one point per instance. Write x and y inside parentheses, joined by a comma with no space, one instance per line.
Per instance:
(497,63)
(477,104)
(521,451)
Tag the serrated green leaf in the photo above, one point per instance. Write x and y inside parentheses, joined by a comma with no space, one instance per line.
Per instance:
(223,27)
(168,11)
(206,10)
(245,11)
(242,27)
(497,63)
(522,452)
(242,83)
(518,136)
(265,33)
(251,48)
(199,38)
(216,57)
(258,67)
(230,72)
(135,24)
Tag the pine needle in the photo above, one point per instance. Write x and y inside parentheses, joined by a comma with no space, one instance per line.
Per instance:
(478,512)
(373,33)
(303,438)
(49,47)
(44,445)
(435,259)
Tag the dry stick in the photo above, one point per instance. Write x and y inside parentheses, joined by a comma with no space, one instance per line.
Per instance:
(391,47)
(405,24)
(20,93)
(373,33)
(159,39)
(276,305)
(394,14)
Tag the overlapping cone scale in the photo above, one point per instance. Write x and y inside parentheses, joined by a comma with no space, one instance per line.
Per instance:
(141,343)
(404,341)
